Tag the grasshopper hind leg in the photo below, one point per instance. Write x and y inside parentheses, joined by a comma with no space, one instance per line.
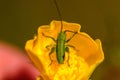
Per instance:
(52,50)
(67,50)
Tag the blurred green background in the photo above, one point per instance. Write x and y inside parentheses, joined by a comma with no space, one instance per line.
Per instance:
(19,20)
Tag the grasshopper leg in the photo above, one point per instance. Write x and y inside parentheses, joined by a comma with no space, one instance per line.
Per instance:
(52,50)
(49,37)
(71,37)
(51,45)
(67,50)
(71,46)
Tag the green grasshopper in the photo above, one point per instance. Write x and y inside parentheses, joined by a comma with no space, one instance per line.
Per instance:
(61,41)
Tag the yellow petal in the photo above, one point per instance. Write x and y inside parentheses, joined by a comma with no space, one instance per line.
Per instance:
(81,62)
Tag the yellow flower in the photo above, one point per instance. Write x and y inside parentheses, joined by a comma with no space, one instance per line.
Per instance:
(82,60)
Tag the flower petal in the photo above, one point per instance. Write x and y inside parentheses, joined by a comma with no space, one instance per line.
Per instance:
(84,53)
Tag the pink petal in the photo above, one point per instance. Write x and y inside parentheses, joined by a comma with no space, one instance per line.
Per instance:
(14,65)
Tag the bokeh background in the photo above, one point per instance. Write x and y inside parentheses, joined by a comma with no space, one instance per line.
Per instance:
(19,20)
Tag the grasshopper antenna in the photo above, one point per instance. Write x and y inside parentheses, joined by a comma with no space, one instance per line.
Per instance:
(59,13)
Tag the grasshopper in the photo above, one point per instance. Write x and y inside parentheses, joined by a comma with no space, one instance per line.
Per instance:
(60,47)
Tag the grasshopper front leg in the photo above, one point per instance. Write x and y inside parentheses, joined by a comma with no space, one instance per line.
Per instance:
(49,37)
(71,36)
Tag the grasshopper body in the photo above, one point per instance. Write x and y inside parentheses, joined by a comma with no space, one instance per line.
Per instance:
(60,47)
